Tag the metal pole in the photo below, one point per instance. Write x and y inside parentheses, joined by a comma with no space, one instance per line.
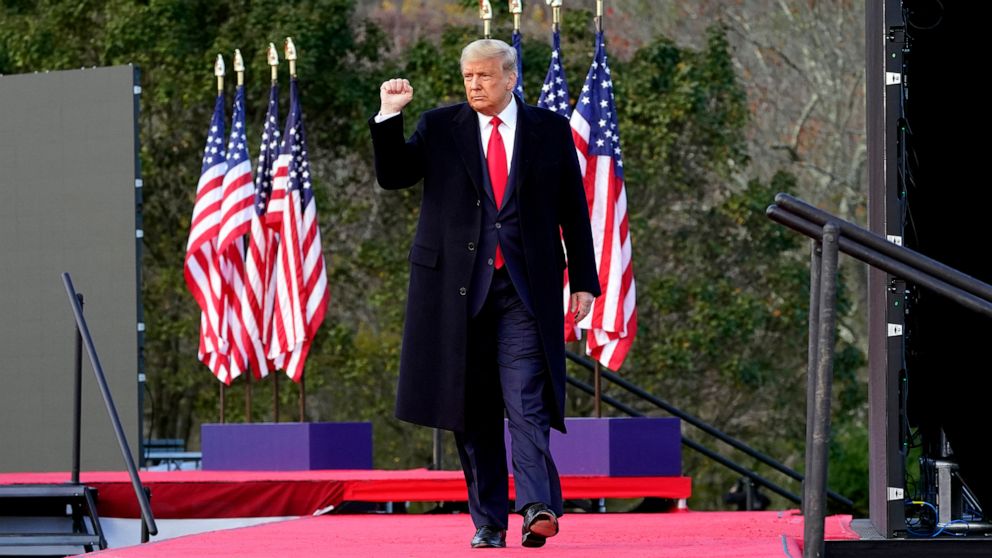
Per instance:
(248,397)
(749,494)
(438,453)
(275,397)
(816,479)
(77,400)
(108,400)
(598,386)
(814,322)
(222,413)
(303,397)
(145,535)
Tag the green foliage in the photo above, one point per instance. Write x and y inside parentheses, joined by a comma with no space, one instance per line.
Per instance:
(722,291)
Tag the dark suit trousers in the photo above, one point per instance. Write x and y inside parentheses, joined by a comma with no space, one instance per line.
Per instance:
(507,371)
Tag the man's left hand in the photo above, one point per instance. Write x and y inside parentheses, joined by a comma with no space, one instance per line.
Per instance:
(580,304)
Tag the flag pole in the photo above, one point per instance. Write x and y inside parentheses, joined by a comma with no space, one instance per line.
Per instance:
(555,14)
(275,397)
(303,397)
(486,15)
(273,58)
(598,380)
(239,69)
(291,56)
(597,370)
(219,73)
(598,388)
(516,8)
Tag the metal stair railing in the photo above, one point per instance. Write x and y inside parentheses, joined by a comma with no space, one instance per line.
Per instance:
(832,235)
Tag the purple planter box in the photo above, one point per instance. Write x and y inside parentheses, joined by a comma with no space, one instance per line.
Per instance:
(286,446)
(616,447)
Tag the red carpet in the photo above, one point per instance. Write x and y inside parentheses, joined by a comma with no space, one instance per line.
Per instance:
(676,535)
(220,494)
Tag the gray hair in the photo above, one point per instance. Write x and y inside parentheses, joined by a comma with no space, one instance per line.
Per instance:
(484,49)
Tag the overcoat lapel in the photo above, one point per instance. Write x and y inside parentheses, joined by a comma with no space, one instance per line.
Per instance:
(465,130)
(527,142)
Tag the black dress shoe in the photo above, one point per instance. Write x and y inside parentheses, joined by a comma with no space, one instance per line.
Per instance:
(539,524)
(489,537)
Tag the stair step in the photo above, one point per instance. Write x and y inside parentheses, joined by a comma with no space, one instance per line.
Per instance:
(42,491)
(48,539)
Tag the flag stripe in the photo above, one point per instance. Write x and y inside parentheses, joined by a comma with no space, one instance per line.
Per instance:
(613,320)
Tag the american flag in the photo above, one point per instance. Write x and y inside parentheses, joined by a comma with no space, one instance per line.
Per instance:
(519,90)
(235,221)
(554,92)
(202,266)
(301,281)
(613,320)
(554,97)
(256,306)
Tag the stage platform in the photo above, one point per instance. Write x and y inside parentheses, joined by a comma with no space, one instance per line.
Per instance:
(674,535)
(242,494)
(671,535)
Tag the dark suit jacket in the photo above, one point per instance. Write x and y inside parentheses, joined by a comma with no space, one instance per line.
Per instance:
(444,152)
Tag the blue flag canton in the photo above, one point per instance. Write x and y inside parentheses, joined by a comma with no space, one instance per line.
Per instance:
(268,152)
(295,144)
(213,153)
(519,90)
(237,143)
(554,92)
(597,105)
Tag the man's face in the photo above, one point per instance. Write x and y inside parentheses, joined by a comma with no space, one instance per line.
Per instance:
(487,86)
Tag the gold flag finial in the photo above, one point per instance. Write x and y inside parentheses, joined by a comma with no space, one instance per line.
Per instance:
(486,15)
(290,52)
(555,12)
(273,56)
(599,16)
(219,72)
(516,8)
(239,66)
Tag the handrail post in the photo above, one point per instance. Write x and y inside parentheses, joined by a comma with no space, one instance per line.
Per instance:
(437,461)
(77,401)
(814,492)
(815,262)
(108,400)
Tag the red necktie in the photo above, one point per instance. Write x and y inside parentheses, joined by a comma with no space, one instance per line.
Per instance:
(496,159)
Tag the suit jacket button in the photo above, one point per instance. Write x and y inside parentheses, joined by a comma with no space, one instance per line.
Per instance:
(478,203)
(471,246)
(499,226)
(462,291)
(490,261)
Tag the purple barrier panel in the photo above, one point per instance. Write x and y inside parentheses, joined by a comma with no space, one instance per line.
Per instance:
(286,446)
(617,447)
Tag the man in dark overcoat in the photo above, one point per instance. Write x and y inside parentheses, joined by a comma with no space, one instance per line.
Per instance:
(484,330)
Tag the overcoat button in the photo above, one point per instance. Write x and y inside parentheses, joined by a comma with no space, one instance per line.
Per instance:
(462,291)
(471,246)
